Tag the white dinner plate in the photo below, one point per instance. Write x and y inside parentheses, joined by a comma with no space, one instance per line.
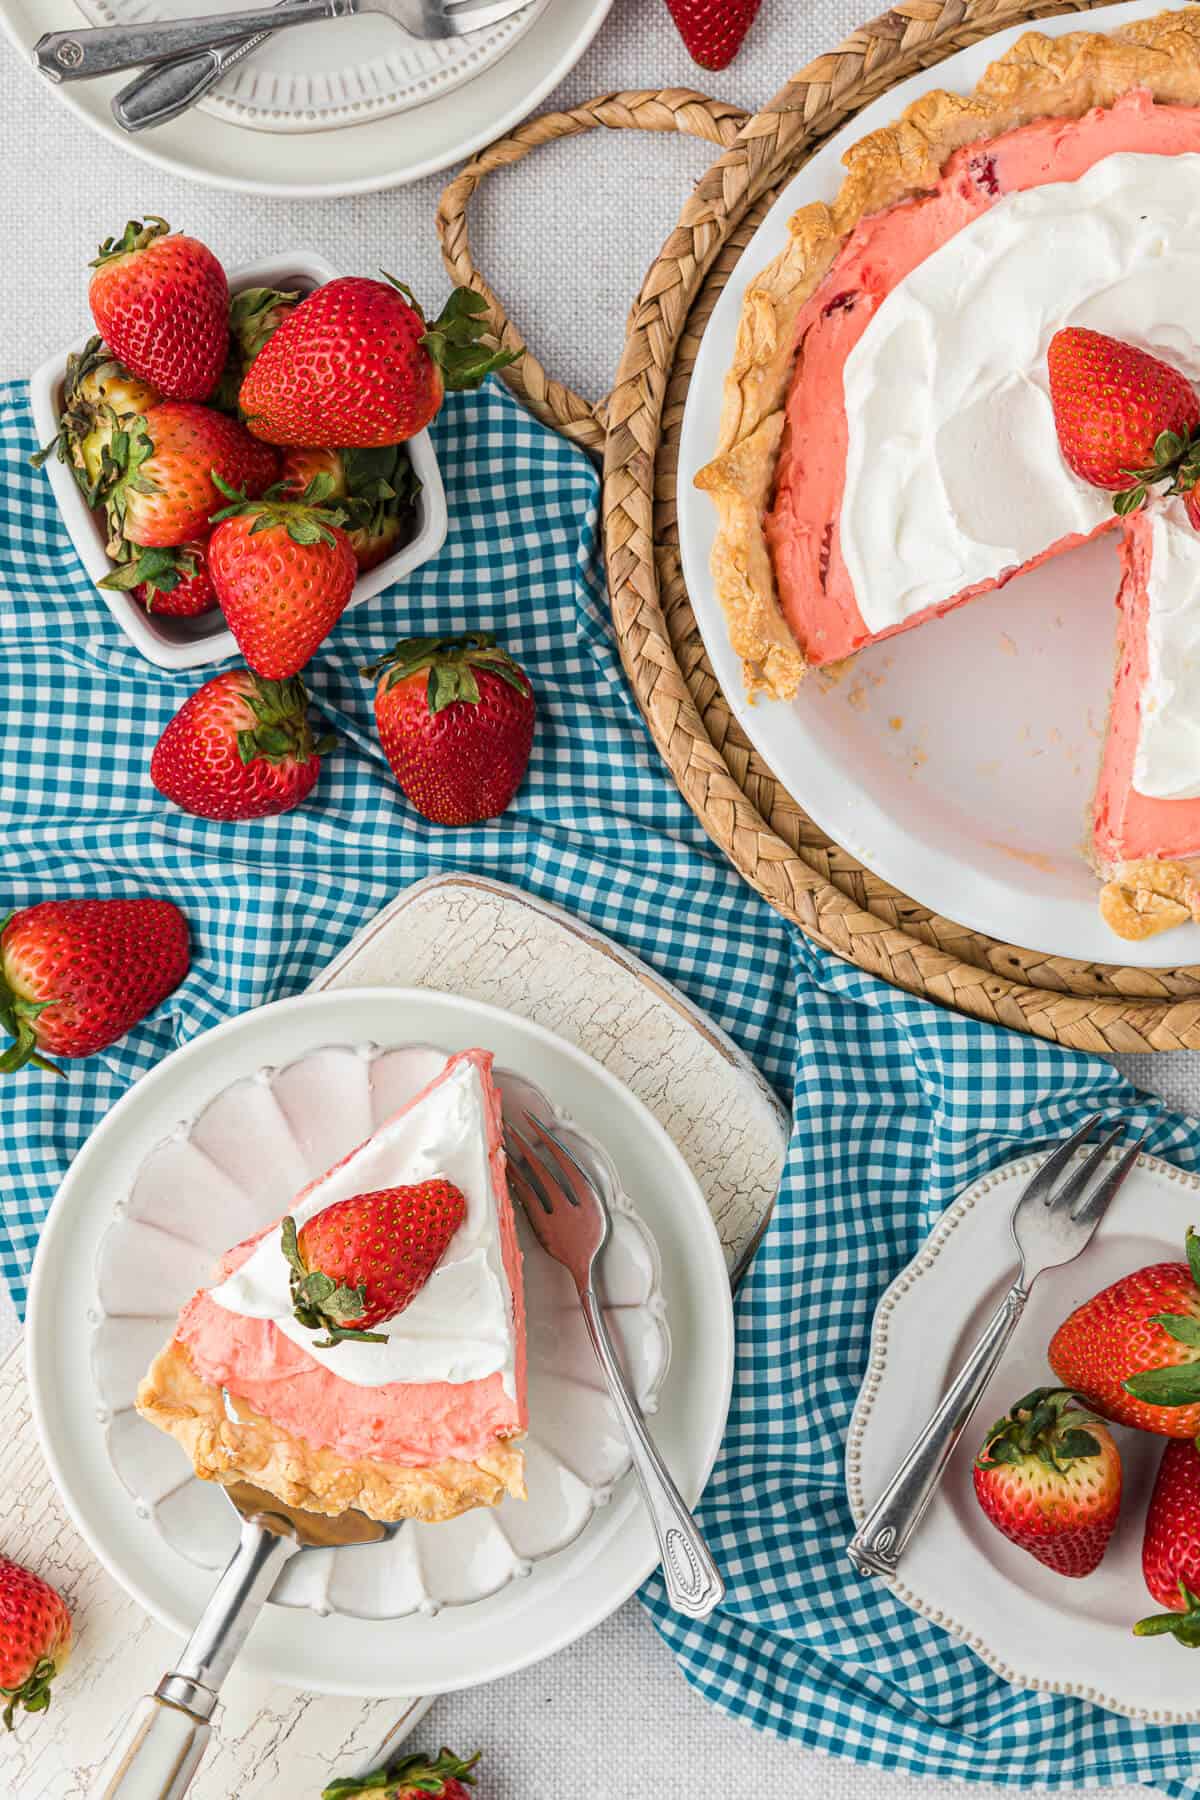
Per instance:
(564,1596)
(1035,1628)
(957,760)
(316,162)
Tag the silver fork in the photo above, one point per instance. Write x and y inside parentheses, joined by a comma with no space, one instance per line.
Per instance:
(1051,1225)
(103,49)
(560,1189)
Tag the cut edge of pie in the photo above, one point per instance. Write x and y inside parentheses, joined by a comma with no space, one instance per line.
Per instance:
(314,1477)
(1040,77)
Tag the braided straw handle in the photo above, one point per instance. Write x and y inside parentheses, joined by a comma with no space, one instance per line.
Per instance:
(670,109)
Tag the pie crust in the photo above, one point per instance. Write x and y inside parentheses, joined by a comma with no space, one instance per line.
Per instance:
(1040,77)
(314,1477)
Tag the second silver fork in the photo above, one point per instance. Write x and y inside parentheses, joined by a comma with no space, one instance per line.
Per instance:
(1051,1225)
(565,1204)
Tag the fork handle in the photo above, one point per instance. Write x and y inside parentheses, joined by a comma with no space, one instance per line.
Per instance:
(103,49)
(693,1584)
(878,1544)
(162,93)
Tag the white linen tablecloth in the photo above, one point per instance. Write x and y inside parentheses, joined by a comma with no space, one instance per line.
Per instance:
(609,1717)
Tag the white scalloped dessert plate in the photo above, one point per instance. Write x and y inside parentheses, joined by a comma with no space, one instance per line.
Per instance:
(343,72)
(1035,1628)
(565,1592)
(234,1168)
(955,761)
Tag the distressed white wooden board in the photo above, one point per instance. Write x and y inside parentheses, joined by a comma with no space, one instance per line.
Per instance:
(453,933)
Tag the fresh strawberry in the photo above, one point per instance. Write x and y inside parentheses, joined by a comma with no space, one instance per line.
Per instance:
(445,1777)
(1191,505)
(375,489)
(161,302)
(361,1261)
(357,363)
(174,583)
(240,748)
(1133,1350)
(455,718)
(1171,1546)
(166,468)
(713,30)
(75,975)
(1049,1478)
(253,315)
(284,571)
(1125,419)
(99,399)
(35,1639)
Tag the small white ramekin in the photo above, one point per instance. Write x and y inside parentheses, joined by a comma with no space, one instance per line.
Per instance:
(188,643)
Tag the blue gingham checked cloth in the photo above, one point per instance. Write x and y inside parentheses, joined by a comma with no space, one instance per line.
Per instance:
(897,1104)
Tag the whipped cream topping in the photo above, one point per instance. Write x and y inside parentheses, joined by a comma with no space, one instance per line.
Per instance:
(953,471)
(1167,758)
(459,1327)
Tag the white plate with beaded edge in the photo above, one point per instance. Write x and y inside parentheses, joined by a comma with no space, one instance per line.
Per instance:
(563,1596)
(360,158)
(1034,1628)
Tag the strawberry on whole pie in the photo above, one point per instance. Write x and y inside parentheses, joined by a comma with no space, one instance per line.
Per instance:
(368,1350)
(897,437)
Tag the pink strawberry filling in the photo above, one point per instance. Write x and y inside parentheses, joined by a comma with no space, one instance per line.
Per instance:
(815,589)
(413,1423)
(1128,825)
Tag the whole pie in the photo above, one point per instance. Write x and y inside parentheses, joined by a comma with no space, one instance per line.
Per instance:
(424,1424)
(888,448)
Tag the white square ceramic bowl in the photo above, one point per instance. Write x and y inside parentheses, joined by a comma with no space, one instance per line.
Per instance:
(188,643)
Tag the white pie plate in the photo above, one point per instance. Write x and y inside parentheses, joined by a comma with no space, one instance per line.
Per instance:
(233,1169)
(1035,1628)
(563,1596)
(317,163)
(957,761)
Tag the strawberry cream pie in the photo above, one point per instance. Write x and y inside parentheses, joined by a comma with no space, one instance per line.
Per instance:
(399,1388)
(889,446)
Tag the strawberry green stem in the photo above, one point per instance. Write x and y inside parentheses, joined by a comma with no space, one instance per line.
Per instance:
(33,1693)
(452,663)
(136,235)
(18,1016)
(305,517)
(453,340)
(1183,1626)
(322,1304)
(411,1775)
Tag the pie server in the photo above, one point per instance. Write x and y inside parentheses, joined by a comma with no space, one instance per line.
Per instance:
(167,1733)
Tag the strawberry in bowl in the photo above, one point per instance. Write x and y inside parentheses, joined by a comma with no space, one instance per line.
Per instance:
(80,399)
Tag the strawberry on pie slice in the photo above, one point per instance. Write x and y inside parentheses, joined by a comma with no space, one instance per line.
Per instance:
(888,445)
(368,1350)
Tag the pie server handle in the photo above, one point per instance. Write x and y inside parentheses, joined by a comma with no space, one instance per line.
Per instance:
(166,1736)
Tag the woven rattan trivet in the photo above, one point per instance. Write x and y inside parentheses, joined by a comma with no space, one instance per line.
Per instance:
(775,845)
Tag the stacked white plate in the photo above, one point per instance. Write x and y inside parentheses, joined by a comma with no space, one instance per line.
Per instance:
(312,113)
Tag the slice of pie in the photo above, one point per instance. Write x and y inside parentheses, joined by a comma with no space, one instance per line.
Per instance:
(888,448)
(424,1425)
